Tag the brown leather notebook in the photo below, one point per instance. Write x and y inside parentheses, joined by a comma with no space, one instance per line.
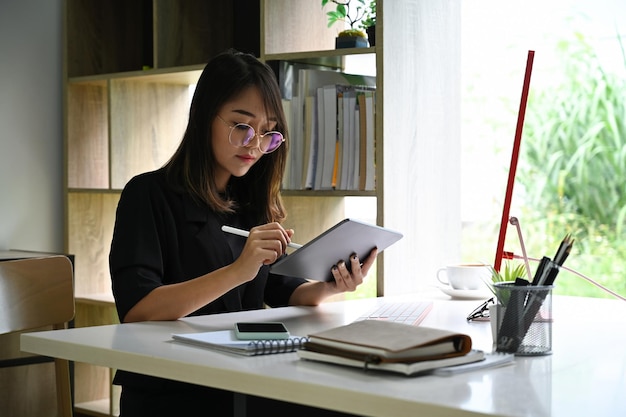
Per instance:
(377,341)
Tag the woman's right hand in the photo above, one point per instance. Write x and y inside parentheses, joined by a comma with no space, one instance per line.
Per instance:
(264,245)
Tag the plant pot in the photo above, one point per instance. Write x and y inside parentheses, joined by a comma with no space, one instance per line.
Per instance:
(350,42)
(371,35)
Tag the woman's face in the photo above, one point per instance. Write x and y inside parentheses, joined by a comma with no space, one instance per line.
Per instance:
(247,107)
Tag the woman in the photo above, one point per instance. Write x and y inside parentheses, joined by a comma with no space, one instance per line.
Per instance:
(169,257)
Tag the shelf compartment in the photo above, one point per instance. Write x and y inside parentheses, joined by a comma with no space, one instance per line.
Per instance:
(94,395)
(129,35)
(295,26)
(184,31)
(87,135)
(108,36)
(148,120)
(91,217)
(320,214)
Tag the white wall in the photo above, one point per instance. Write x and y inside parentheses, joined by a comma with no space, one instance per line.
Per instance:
(31,114)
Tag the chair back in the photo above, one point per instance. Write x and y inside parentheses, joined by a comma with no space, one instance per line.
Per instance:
(37,293)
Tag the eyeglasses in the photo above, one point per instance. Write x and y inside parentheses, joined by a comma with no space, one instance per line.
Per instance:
(481,313)
(241,135)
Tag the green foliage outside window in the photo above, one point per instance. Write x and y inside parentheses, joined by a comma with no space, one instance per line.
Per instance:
(573,169)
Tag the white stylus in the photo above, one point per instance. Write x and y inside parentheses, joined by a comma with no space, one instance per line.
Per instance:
(245,233)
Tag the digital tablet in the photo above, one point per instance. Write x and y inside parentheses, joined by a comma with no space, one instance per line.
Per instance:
(315,259)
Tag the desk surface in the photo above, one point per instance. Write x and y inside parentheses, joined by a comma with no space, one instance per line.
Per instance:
(586,374)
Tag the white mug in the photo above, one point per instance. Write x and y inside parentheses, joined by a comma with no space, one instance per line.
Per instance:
(465,276)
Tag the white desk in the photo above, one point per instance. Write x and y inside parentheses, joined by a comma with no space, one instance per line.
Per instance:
(586,375)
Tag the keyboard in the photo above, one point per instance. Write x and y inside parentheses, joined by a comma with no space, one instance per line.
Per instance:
(408,312)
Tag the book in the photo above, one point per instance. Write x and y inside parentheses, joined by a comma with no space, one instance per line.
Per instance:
(320,141)
(370,145)
(355,164)
(289,163)
(362,138)
(226,341)
(336,185)
(293,172)
(310,142)
(318,161)
(380,341)
(367,141)
(347,138)
(408,368)
(309,80)
(327,144)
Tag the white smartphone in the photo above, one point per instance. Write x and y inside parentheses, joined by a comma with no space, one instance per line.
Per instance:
(261,331)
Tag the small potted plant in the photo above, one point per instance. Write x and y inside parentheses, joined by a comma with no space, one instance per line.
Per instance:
(354,37)
(368,23)
(509,274)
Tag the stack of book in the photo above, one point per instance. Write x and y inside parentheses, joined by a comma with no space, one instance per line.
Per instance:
(331,118)
(395,347)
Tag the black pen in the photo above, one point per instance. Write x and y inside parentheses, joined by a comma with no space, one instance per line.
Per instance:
(541,271)
(564,250)
(559,258)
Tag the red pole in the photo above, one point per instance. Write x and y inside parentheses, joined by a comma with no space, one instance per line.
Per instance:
(514,157)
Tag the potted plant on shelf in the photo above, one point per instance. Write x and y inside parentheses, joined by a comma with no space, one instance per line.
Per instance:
(369,22)
(359,18)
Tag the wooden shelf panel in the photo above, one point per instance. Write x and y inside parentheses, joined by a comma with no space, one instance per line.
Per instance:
(148,120)
(327,193)
(309,216)
(93,390)
(295,26)
(87,135)
(334,58)
(91,217)
(96,408)
(97,299)
(191,31)
(179,75)
(128,35)
(92,383)
(108,36)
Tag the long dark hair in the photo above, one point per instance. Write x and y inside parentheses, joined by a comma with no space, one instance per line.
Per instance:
(191,168)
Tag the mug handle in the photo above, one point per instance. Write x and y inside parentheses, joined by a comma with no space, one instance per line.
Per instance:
(439,271)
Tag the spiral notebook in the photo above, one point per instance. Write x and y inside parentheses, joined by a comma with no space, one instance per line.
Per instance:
(226,341)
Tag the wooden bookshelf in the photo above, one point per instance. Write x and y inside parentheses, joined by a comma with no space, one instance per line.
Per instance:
(129,65)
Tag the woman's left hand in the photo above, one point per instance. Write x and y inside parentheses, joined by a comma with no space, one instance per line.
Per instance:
(314,292)
(349,280)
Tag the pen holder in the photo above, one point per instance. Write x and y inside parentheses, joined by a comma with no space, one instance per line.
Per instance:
(526,324)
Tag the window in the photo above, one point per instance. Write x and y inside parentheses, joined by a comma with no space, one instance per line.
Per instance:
(495,39)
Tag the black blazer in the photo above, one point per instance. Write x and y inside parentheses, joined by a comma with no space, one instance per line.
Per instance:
(163,237)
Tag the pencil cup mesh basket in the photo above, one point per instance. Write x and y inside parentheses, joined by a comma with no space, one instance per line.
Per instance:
(526,324)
